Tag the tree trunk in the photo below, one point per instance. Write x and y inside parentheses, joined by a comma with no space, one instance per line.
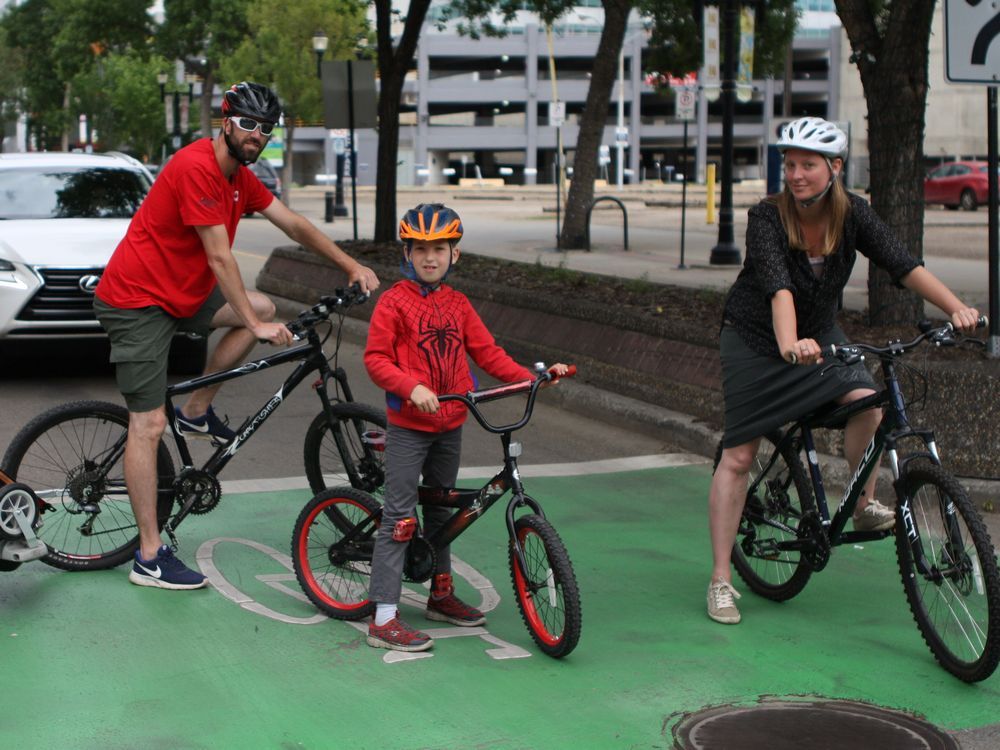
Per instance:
(592,123)
(393,65)
(893,67)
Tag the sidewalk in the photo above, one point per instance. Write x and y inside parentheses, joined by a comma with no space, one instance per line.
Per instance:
(519,223)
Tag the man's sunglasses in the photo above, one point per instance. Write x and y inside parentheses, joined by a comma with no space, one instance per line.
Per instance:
(249,125)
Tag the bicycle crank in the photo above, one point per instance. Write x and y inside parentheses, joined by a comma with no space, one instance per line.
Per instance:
(199,486)
(816,545)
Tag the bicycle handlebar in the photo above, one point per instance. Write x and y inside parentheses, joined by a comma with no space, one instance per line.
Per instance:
(942,336)
(327,305)
(472,398)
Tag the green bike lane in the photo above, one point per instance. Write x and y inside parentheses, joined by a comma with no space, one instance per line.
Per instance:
(89,661)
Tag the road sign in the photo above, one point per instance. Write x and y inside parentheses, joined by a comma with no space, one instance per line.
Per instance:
(557,113)
(972,50)
(621,135)
(685,102)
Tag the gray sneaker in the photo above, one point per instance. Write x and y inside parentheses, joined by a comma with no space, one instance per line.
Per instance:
(875,517)
(721,606)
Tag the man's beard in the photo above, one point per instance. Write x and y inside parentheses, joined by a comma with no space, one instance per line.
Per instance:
(239,153)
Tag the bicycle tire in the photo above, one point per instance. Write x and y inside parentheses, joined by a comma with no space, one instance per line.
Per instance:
(965,639)
(53,455)
(334,575)
(554,620)
(785,494)
(362,428)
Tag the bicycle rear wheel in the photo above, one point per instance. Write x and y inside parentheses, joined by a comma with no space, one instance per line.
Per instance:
(68,456)
(546,591)
(353,444)
(949,573)
(778,492)
(332,549)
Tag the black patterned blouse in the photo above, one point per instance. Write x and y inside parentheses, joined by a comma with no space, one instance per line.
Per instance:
(771,265)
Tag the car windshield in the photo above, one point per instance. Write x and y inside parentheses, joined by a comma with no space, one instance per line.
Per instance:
(71,193)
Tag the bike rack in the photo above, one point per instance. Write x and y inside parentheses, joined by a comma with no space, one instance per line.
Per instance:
(624,217)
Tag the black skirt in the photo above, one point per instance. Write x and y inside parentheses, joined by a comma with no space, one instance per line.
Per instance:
(763,393)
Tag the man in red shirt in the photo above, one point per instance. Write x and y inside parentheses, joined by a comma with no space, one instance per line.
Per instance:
(174,271)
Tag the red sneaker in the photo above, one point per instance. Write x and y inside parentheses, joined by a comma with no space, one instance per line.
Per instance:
(396,635)
(444,606)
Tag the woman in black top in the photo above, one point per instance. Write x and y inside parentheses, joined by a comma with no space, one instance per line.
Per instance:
(801,248)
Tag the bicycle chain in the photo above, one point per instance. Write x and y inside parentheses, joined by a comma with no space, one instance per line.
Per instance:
(203,486)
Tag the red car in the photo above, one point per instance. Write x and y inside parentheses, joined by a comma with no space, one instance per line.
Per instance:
(957,183)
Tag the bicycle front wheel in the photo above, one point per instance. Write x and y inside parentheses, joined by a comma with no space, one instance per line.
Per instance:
(72,457)
(546,590)
(332,549)
(778,493)
(348,451)
(949,572)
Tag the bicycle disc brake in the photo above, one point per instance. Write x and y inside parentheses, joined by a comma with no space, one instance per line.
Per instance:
(816,546)
(420,560)
(200,484)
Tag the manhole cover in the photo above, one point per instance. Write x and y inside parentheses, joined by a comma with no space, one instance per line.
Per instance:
(818,725)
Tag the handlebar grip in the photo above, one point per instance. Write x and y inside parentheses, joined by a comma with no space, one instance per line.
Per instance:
(983,322)
(570,372)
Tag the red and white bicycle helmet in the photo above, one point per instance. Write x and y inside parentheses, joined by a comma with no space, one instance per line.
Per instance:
(814,134)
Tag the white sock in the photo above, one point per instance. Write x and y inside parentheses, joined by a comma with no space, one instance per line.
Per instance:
(384,613)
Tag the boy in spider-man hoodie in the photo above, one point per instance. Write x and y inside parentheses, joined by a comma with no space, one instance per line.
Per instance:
(420,335)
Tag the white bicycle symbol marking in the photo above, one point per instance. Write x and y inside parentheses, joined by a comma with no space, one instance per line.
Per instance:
(489,599)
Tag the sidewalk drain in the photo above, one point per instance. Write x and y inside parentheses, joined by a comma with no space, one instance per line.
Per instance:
(818,725)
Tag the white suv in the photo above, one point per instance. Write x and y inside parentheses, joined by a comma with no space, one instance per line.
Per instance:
(61,217)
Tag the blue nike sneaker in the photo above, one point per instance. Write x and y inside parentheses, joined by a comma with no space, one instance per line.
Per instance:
(165,571)
(208,426)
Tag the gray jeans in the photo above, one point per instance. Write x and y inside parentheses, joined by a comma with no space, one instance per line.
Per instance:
(410,454)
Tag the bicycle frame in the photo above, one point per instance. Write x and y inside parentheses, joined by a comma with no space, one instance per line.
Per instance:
(311,358)
(893,428)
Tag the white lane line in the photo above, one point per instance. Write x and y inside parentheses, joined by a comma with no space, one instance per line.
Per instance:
(582,468)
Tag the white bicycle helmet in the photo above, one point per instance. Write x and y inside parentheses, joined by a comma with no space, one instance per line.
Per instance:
(814,134)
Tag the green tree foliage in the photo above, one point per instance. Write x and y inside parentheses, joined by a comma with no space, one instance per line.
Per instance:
(202,33)
(61,40)
(676,41)
(278,52)
(11,72)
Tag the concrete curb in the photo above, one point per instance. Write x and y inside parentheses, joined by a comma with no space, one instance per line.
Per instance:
(665,425)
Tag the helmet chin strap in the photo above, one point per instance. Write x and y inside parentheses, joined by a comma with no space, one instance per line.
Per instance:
(819,196)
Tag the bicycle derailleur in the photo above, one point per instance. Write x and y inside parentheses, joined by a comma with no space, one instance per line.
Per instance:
(199,485)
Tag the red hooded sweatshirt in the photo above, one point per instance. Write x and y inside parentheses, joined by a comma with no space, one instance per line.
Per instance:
(419,337)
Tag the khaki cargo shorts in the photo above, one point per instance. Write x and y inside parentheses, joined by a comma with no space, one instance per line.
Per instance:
(140,346)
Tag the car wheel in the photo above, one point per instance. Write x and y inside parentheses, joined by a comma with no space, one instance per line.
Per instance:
(968,200)
(187,355)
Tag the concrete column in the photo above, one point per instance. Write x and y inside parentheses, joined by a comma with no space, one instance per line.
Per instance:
(701,135)
(420,154)
(833,77)
(635,116)
(531,104)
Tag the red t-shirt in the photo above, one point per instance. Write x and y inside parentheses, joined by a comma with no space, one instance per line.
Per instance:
(161,261)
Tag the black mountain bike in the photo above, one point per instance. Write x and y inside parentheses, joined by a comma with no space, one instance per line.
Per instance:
(335,536)
(72,455)
(946,559)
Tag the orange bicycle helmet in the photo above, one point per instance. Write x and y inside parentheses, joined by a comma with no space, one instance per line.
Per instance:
(429,222)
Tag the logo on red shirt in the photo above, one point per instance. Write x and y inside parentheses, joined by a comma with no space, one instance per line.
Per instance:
(208,202)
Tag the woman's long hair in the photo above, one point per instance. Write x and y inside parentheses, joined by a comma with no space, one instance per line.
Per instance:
(838,206)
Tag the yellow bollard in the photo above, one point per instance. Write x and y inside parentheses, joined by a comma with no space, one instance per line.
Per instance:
(710,194)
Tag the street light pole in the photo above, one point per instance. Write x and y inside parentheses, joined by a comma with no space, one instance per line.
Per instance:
(726,253)
(320,42)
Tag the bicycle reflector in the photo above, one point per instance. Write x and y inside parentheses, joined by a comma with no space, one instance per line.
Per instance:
(403,530)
